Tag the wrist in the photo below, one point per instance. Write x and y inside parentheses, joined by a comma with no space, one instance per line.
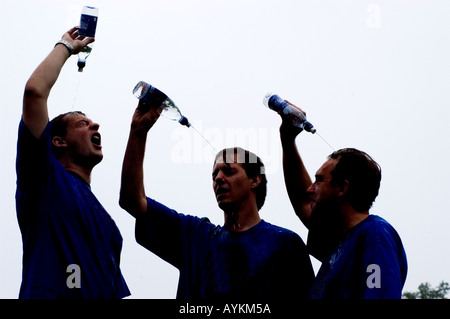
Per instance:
(287,137)
(139,130)
(65,43)
(288,133)
(287,143)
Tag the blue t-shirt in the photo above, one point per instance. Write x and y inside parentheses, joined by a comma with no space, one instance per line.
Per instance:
(370,263)
(264,262)
(69,240)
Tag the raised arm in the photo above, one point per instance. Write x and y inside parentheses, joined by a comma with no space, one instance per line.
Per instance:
(37,89)
(296,177)
(132,193)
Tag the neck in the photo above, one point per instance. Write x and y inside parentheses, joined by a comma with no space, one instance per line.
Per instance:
(82,172)
(240,220)
(351,217)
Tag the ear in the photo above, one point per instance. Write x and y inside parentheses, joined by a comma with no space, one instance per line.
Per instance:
(344,188)
(254,181)
(58,141)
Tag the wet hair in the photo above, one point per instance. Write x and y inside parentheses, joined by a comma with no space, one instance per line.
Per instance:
(58,127)
(253,167)
(362,173)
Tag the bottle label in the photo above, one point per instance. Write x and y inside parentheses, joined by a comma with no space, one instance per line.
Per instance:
(149,94)
(277,104)
(88,25)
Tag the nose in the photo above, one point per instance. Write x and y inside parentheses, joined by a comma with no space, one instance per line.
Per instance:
(311,189)
(95,126)
(219,178)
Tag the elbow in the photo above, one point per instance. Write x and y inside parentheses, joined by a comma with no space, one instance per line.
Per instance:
(33,90)
(124,202)
(126,205)
(134,206)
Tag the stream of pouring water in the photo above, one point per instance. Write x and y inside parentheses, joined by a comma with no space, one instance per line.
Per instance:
(204,138)
(77,88)
(325,141)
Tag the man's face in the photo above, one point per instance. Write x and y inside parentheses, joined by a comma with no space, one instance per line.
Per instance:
(83,140)
(322,193)
(231,184)
(325,213)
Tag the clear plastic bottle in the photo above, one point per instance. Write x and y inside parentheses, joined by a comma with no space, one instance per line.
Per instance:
(296,117)
(88,26)
(150,95)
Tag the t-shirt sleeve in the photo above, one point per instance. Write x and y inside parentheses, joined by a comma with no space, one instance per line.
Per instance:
(167,233)
(298,272)
(34,156)
(35,164)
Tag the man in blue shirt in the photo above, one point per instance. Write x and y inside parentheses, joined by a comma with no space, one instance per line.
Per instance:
(71,246)
(362,255)
(246,259)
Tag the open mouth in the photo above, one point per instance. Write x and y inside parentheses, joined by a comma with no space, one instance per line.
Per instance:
(221,191)
(96,140)
(313,204)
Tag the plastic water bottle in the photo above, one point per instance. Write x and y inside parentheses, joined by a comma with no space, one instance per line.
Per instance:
(295,116)
(88,26)
(153,97)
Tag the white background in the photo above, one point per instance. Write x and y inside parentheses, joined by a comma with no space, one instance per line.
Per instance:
(373,75)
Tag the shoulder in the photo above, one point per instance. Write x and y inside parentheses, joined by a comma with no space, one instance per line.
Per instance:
(35,160)
(263,225)
(374,223)
(376,229)
(25,134)
(279,232)
(32,151)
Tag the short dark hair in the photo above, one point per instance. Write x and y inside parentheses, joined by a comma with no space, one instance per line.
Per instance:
(58,127)
(253,167)
(362,173)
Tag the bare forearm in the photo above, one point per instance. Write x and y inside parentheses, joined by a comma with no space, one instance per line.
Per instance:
(297,180)
(46,74)
(38,87)
(132,191)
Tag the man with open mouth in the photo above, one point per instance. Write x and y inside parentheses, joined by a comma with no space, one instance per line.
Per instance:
(71,245)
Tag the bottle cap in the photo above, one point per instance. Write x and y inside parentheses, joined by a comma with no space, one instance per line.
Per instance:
(184,121)
(309,127)
(81,64)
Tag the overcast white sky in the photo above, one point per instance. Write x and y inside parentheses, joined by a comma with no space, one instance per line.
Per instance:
(373,75)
